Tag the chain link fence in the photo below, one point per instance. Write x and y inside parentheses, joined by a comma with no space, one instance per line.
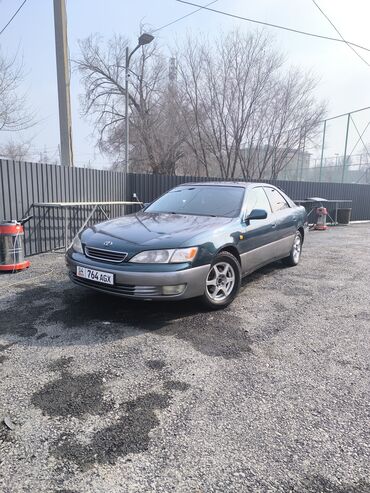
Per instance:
(338,153)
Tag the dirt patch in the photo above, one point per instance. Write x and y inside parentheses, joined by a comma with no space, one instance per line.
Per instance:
(216,335)
(176,385)
(129,435)
(155,364)
(80,315)
(213,335)
(81,307)
(60,364)
(71,395)
(21,318)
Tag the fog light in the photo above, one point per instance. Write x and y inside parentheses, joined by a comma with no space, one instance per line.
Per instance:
(178,289)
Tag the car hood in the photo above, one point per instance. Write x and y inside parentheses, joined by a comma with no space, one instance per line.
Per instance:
(152,229)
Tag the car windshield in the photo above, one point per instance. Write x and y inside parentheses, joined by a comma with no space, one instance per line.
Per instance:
(223,201)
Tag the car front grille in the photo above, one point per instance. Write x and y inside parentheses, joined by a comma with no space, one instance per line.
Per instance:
(105,255)
(123,289)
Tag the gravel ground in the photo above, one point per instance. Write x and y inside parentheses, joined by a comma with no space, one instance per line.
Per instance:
(269,395)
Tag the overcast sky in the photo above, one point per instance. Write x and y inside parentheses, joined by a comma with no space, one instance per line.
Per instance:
(345,79)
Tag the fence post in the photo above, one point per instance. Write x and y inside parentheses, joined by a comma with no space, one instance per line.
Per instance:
(345,149)
(322,150)
(302,154)
(299,154)
(128,189)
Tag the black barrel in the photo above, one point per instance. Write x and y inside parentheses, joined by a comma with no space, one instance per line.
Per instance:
(344,215)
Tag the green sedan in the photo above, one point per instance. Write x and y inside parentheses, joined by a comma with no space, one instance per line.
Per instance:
(196,240)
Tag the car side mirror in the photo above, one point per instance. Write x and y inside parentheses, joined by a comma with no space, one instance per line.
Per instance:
(257,214)
(146,204)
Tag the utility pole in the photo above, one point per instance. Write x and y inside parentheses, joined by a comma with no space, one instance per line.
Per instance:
(322,150)
(61,51)
(127,116)
(345,149)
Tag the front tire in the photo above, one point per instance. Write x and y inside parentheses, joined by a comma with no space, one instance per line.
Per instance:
(296,251)
(222,282)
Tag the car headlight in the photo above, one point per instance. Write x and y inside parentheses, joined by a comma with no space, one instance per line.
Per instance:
(184,255)
(165,256)
(77,245)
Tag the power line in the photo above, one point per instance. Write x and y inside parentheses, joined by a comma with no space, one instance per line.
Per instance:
(173,22)
(12,17)
(184,16)
(337,30)
(277,26)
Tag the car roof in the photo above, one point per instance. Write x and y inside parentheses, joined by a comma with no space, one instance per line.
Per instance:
(244,184)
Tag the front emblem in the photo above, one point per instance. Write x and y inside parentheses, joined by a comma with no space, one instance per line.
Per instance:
(108,243)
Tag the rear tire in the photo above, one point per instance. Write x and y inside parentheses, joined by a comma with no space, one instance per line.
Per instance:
(222,282)
(295,253)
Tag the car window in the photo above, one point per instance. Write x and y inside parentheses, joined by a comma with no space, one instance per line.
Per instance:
(202,200)
(277,201)
(257,199)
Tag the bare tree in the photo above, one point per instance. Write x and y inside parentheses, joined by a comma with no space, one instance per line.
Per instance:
(364,164)
(234,110)
(14,114)
(290,117)
(17,151)
(365,155)
(245,117)
(155,137)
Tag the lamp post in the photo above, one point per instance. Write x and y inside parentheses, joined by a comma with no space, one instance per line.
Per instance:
(144,39)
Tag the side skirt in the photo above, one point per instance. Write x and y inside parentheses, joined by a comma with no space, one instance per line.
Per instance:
(265,254)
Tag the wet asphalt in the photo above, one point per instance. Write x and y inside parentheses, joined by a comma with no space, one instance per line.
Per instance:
(270,395)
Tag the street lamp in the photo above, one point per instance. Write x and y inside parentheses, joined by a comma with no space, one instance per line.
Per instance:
(144,39)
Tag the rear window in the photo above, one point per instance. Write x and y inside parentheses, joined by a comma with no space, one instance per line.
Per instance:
(203,200)
(277,201)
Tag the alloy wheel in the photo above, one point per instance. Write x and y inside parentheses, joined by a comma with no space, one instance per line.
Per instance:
(297,247)
(220,281)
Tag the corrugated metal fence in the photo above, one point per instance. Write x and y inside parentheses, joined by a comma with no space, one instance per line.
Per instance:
(24,184)
(148,187)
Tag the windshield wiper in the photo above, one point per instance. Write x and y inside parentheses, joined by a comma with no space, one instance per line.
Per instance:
(193,214)
(183,213)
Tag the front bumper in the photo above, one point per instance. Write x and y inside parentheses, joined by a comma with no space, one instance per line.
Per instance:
(143,285)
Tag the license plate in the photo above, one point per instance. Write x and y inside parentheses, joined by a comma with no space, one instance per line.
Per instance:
(95,275)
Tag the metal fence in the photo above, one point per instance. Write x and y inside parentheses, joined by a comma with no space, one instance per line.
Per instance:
(339,152)
(24,184)
(148,187)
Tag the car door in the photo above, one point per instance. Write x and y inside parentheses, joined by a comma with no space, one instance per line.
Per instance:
(285,222)
(257,234)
